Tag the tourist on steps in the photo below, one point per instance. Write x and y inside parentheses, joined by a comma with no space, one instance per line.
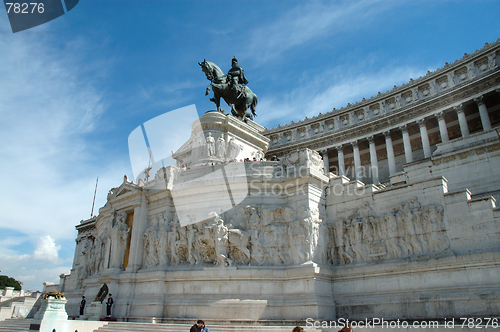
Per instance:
(199,327)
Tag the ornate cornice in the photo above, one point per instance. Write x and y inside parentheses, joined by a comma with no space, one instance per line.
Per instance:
(461,94)
(454,82)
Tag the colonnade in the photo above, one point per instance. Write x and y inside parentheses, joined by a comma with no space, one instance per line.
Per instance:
(408,153)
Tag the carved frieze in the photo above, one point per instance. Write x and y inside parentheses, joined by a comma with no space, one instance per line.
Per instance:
(408,229)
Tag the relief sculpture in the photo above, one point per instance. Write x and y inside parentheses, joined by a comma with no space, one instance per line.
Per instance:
(252,236)
(258,235)
(409,229)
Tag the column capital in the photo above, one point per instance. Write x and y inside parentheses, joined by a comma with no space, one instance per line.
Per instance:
(371,139)
(422,122)
(404,128)
(459,108)
(323,151)
(440,115)
(355,143)
(479,100)
(387,134)
(340,147)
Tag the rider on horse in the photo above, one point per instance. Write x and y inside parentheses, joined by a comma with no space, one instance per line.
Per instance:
(236,78)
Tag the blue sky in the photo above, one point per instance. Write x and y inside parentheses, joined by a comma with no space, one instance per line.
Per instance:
(72,90)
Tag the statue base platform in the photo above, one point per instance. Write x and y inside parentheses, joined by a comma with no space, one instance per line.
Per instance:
(93,311)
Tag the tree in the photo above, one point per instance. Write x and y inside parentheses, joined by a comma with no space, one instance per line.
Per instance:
(9,282)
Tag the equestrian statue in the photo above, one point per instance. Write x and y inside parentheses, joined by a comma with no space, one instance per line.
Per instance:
(232,88)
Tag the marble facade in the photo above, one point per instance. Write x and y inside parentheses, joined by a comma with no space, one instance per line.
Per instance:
(386,208)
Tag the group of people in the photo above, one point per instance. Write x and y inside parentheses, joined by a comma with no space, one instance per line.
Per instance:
(201,327)
(109,305)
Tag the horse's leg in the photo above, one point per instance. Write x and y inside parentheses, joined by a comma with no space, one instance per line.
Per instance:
(253,104)
(208,90)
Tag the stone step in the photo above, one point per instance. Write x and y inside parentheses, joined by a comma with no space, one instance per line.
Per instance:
(14,325)
(168,327)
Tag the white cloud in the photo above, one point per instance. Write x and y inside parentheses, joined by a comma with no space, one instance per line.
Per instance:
(333,88)
(46,250)
(311,21)
(48,107)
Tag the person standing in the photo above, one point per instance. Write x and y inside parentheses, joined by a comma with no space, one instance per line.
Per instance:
(109,304)
(82,305)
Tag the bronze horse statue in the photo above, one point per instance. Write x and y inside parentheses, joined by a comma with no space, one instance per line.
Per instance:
(239,101)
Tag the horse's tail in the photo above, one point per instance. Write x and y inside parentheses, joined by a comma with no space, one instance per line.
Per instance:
(253,105)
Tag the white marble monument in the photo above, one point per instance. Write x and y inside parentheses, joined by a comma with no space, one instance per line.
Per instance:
(403,223)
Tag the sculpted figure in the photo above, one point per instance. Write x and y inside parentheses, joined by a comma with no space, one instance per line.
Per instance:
(102,248)
(239,242)
(150,257)
(355,236)
(172,243)
(393,248)
(440,239)
(403,243)
(221,243)
(297,242)
(419,229)
(234,149)
(162,244)
(221,147)
(398,101)
(236,78)
(119,237)
(338,242)
(411,235)
(492,60)
(210,145)
(257,251)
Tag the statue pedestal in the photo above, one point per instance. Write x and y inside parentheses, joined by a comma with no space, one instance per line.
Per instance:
(52,314)
(93,311)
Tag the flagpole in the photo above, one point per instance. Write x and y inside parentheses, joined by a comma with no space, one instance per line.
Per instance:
(93,202)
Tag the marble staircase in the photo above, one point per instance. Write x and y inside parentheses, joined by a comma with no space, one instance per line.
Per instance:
(14,325)
(170,327)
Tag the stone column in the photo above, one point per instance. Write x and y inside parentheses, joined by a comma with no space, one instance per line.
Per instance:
(443,131)
(425,138)
(136,240)
(357,161)
(373,159)
(407,144)
(462,120)
(326,162)
(340,151)
(483,113)
(390,153)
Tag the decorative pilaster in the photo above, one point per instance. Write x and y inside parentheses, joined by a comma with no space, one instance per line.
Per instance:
(136,240)
(462,120)
(425,138)
(373,159)
(390,153)
(451,79)
(483,113)
(407,144)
